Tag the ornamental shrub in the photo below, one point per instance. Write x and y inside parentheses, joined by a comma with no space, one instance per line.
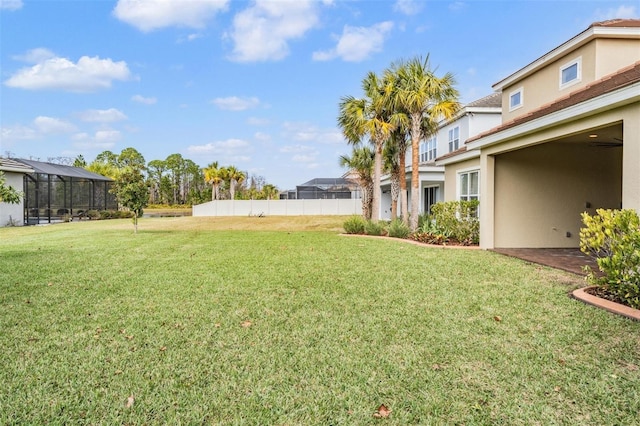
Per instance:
(354,225)
(398,229)
(457,220)
(374,228)
(613,238)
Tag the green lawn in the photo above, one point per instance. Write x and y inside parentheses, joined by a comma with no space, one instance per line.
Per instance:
(283,321)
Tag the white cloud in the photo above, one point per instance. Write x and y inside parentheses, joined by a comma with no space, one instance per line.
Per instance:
(149,15)
(41,126)
(234,103)
(357,43)
(17,133)
(408,7)
(457,5)
(49,125)
(305,132)
(102,115)
(229,150)
(262,137)
(108,136)
(300,158)
(87,75)
(622,12)
(262,32)
(35,56)
(11,4)
(84,141)
(142,100)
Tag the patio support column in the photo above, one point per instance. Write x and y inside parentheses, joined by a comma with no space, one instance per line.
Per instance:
(630,159)
(487,206)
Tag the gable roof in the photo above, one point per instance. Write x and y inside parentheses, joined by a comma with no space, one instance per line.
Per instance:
(623,78)
(615,28)
(61,170)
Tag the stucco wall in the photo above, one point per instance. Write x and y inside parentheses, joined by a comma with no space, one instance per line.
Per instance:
(451,177)
(541,191)
(14,212)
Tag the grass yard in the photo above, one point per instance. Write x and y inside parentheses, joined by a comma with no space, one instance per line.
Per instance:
(283,321)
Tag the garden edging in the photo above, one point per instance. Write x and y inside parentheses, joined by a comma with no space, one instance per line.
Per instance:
(613,307)
(417,243)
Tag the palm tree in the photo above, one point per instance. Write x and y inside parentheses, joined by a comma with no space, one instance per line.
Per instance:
(214,175)
(423,96)
(392,167)
(235,177)
(362,163)
(369,116)
(270,191)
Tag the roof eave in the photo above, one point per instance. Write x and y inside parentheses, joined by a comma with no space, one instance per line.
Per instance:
(616,98)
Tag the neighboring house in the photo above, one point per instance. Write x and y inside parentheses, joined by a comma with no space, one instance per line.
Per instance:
(14,172)
(473,119)
(569,142)
(54,192)
(323,189)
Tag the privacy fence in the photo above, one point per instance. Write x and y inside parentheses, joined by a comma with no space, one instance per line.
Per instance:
(336,207)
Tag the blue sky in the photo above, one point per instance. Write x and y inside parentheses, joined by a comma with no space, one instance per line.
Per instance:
(254,84)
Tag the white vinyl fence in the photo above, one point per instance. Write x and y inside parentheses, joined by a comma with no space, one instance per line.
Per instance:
(342,207)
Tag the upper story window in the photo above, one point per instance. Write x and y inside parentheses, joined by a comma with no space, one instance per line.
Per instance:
(571,73)
(454,138)
(428,150)
(516,99)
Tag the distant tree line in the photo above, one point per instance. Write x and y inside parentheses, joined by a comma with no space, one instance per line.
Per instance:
(180,181)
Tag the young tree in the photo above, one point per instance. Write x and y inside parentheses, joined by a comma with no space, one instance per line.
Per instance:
(214,175)
(132,192)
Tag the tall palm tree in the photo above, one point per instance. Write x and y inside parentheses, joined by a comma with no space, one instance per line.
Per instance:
(214,174)
(423,96)
(361,162)
(235,177)
(369,116)
(392,167)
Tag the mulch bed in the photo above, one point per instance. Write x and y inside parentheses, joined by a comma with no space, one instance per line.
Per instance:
(604,294)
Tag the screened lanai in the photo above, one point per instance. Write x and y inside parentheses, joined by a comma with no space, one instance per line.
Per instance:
(54,192)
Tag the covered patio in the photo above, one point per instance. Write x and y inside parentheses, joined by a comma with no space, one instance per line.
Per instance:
(567,259)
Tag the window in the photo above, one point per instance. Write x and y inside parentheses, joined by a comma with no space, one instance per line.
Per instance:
(469,186)
(571,73)
(428,150)
(454,138)
(515,99)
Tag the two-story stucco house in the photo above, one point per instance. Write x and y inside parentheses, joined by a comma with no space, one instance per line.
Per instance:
(569,142)
(472,119)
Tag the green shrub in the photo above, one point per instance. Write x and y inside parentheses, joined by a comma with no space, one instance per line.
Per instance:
(613,238)
(457,220)
(93,214)
(398,229)
(354,225)
(374,228)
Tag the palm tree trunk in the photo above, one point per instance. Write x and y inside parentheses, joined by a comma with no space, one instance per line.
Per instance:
(377,171)
(415,172)
(395,191)
(404,209)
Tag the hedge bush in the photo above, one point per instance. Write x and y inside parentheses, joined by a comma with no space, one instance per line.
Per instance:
(613,238)
(354,225)
(398,229)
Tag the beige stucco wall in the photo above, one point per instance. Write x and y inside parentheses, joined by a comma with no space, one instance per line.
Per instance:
(541,191)
(599,58)
(631,158)
(615,54)
(451,177)
(521,205)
